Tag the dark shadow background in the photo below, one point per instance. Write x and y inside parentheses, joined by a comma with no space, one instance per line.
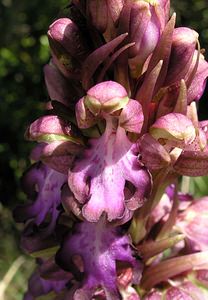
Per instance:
(23,53)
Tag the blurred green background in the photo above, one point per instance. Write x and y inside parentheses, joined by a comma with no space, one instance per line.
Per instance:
(23,53)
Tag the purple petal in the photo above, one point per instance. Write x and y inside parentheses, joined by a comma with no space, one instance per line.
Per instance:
(202,277)
(186,291)
(67,55)
(177,293)
(107,96)
(140,19)
(70,203)
(131,117)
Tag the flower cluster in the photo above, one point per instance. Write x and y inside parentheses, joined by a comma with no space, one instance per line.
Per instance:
(106,218)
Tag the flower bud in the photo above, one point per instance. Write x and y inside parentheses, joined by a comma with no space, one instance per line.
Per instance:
(103,13)
(198,83)
(182,51)
(67,46)
(144,30)
(146,27)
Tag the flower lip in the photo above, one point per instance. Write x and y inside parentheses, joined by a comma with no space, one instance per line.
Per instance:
(98,180)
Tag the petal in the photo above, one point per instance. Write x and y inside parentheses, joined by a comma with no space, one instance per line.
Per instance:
(174,127)
(153,154)
(57,155)
(131,117)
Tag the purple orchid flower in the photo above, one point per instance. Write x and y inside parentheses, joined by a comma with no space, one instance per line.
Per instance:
(99,246)
(99,179)
(43,187)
